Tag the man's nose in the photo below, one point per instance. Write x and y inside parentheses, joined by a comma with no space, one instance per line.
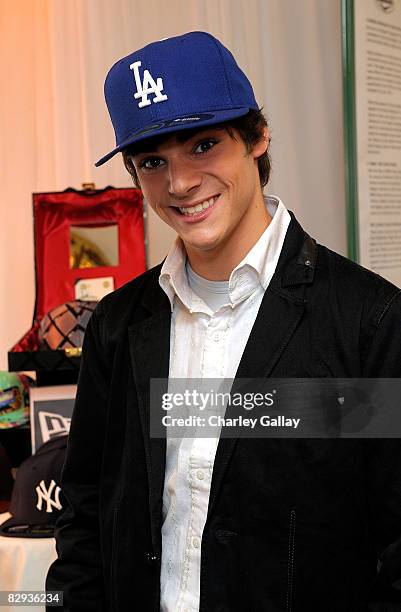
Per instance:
(183,178)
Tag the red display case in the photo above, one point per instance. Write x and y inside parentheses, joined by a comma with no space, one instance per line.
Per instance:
(58,273)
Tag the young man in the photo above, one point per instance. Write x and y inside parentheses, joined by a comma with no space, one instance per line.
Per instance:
(229,525)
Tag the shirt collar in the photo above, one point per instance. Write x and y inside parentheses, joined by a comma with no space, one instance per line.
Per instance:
(173,277)
(257,267)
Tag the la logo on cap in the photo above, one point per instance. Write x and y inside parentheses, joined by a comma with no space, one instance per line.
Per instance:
(147,86)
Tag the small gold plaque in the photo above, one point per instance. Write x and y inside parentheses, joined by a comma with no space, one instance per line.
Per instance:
(74,351)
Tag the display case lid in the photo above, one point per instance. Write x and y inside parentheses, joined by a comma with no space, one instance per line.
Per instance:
(56,217)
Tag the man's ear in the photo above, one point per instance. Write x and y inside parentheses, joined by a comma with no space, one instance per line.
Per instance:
(262,145)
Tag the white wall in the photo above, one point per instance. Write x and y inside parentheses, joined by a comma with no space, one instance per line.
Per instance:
(54,124)
(302,89)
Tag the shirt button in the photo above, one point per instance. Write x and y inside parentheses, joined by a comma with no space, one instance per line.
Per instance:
(216,336)
(200,475)
(195,542)
(151,558)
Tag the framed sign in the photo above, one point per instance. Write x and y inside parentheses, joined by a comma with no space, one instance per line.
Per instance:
(372,127)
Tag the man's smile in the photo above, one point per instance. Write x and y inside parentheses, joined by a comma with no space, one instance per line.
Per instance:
(197,212)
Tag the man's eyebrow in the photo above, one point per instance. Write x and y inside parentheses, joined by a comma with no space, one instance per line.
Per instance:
(152,144)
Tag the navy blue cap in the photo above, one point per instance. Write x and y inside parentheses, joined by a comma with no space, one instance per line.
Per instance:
(37,499)
(174,84)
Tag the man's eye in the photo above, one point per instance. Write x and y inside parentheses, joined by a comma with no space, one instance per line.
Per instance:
(205,145)
(151,163)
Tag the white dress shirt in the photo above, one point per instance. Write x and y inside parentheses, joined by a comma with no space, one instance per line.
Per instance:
(205,343)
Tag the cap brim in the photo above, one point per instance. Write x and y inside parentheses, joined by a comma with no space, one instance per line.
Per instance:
(176,125)
(15,529)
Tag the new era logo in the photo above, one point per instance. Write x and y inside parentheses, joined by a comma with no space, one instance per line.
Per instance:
(53,425)
(147,86)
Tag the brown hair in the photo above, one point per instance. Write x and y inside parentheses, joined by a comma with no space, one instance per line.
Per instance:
(250,128)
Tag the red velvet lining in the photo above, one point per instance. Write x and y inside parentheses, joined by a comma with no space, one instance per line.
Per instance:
(54,213)
(29,342)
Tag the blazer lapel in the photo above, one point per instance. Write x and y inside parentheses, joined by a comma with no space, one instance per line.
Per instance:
(149,343)
(282,306)
(279,315)
(277,319)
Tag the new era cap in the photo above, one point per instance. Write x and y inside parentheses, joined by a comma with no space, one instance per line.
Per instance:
(36,500)
(174,84)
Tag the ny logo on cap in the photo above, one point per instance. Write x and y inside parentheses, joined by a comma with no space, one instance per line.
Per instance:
(45,495)
(148,86)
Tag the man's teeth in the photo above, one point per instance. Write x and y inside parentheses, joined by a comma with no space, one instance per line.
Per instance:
(191,210)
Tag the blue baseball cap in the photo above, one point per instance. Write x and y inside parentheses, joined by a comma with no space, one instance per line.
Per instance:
(174,84)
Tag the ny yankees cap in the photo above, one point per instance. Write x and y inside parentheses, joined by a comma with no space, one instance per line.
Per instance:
(174,84)
(37,501)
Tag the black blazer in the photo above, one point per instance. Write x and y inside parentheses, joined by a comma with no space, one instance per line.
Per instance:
(292,525)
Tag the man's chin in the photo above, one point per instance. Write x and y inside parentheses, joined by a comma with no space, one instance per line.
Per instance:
(201,247)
